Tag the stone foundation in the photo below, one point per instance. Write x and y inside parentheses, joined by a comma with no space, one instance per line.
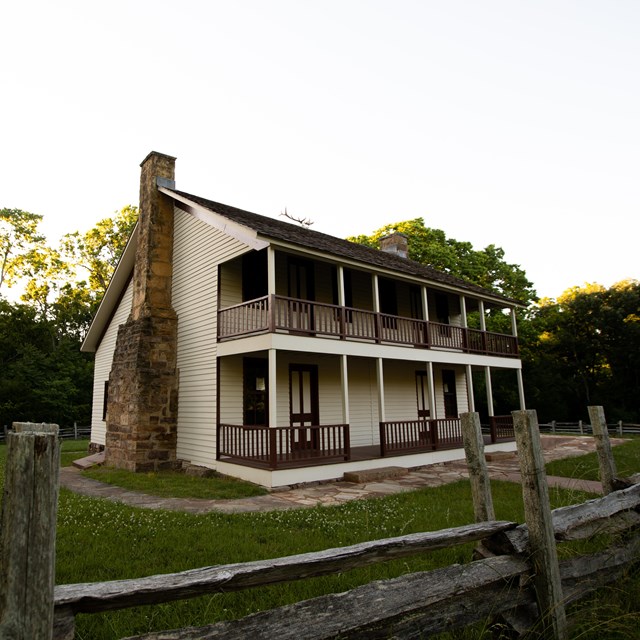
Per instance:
(143,396)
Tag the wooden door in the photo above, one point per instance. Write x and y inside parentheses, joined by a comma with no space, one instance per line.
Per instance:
(449,392)
(304,408)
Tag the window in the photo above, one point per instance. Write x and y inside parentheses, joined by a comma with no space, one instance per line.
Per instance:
(449,392)
(255,386)
(105,400)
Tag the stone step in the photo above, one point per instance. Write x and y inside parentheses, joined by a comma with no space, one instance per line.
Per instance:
(375,475)
(495,456)
(89,461)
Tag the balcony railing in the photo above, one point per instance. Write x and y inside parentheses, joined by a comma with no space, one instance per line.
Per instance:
(409,436)
(501,428)
(271,314)
(277,447)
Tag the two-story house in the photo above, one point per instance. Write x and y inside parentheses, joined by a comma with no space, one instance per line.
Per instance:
(274,353)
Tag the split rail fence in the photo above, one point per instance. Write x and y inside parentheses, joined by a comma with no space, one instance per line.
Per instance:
(514,578)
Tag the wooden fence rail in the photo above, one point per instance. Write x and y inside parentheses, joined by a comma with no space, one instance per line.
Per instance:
(71,432)
(432,601)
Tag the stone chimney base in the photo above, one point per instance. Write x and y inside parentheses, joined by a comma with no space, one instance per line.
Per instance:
(143,396)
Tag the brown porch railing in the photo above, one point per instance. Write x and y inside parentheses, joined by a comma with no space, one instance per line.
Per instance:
(277,447)
(279,313)
(406,436)
(501,428)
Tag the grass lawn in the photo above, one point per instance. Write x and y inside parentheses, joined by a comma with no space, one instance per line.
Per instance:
(627,457)
(172,484)
(99,540)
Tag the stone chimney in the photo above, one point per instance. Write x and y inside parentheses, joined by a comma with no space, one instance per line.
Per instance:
(396,243)
(142,396)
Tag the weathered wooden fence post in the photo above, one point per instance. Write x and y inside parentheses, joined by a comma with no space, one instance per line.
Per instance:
(478,473)
(537,511)
(27,536)
(603,448)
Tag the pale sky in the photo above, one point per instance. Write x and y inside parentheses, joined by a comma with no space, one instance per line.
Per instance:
(500,122)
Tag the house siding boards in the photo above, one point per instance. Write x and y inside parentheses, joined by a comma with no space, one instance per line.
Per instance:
(102,366)
(400,390)
(198,250)
(231,390)
(363,402)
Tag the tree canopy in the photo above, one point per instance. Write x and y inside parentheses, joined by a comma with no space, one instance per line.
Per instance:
(43,374)
(19,243)
(485,267)
(582,350)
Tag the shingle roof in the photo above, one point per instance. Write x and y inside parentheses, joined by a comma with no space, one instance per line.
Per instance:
(309,239)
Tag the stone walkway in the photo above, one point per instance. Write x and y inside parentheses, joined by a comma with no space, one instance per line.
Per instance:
(502,466)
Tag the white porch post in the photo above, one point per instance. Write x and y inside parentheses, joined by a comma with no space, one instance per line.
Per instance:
(344,386)
(470,396)
(425,302)
(483,323)
(341,297)
(487,377)
(514,322)
(520,389)
(273,395)
(271,271)
(380,380)
(432,390)
(463,311)
(376,293)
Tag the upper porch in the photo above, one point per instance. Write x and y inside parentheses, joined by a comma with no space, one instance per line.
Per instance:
(280,314)
(274,291)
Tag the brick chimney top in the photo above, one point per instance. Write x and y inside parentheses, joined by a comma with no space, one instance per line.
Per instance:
(395,243)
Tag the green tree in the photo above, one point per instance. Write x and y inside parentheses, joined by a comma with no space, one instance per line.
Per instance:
(20,242)
(97,251)
(582,350)
(486,267)
(43,374)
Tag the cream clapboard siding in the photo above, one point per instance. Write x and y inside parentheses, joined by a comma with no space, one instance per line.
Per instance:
(231,284)
(400,400)
(198,250)
(102,366)
(231,390)
(363,402)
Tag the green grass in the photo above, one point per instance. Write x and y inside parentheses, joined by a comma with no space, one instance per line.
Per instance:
(120,542)
(99,540)
(72,450)
(626,456)
(172,484)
